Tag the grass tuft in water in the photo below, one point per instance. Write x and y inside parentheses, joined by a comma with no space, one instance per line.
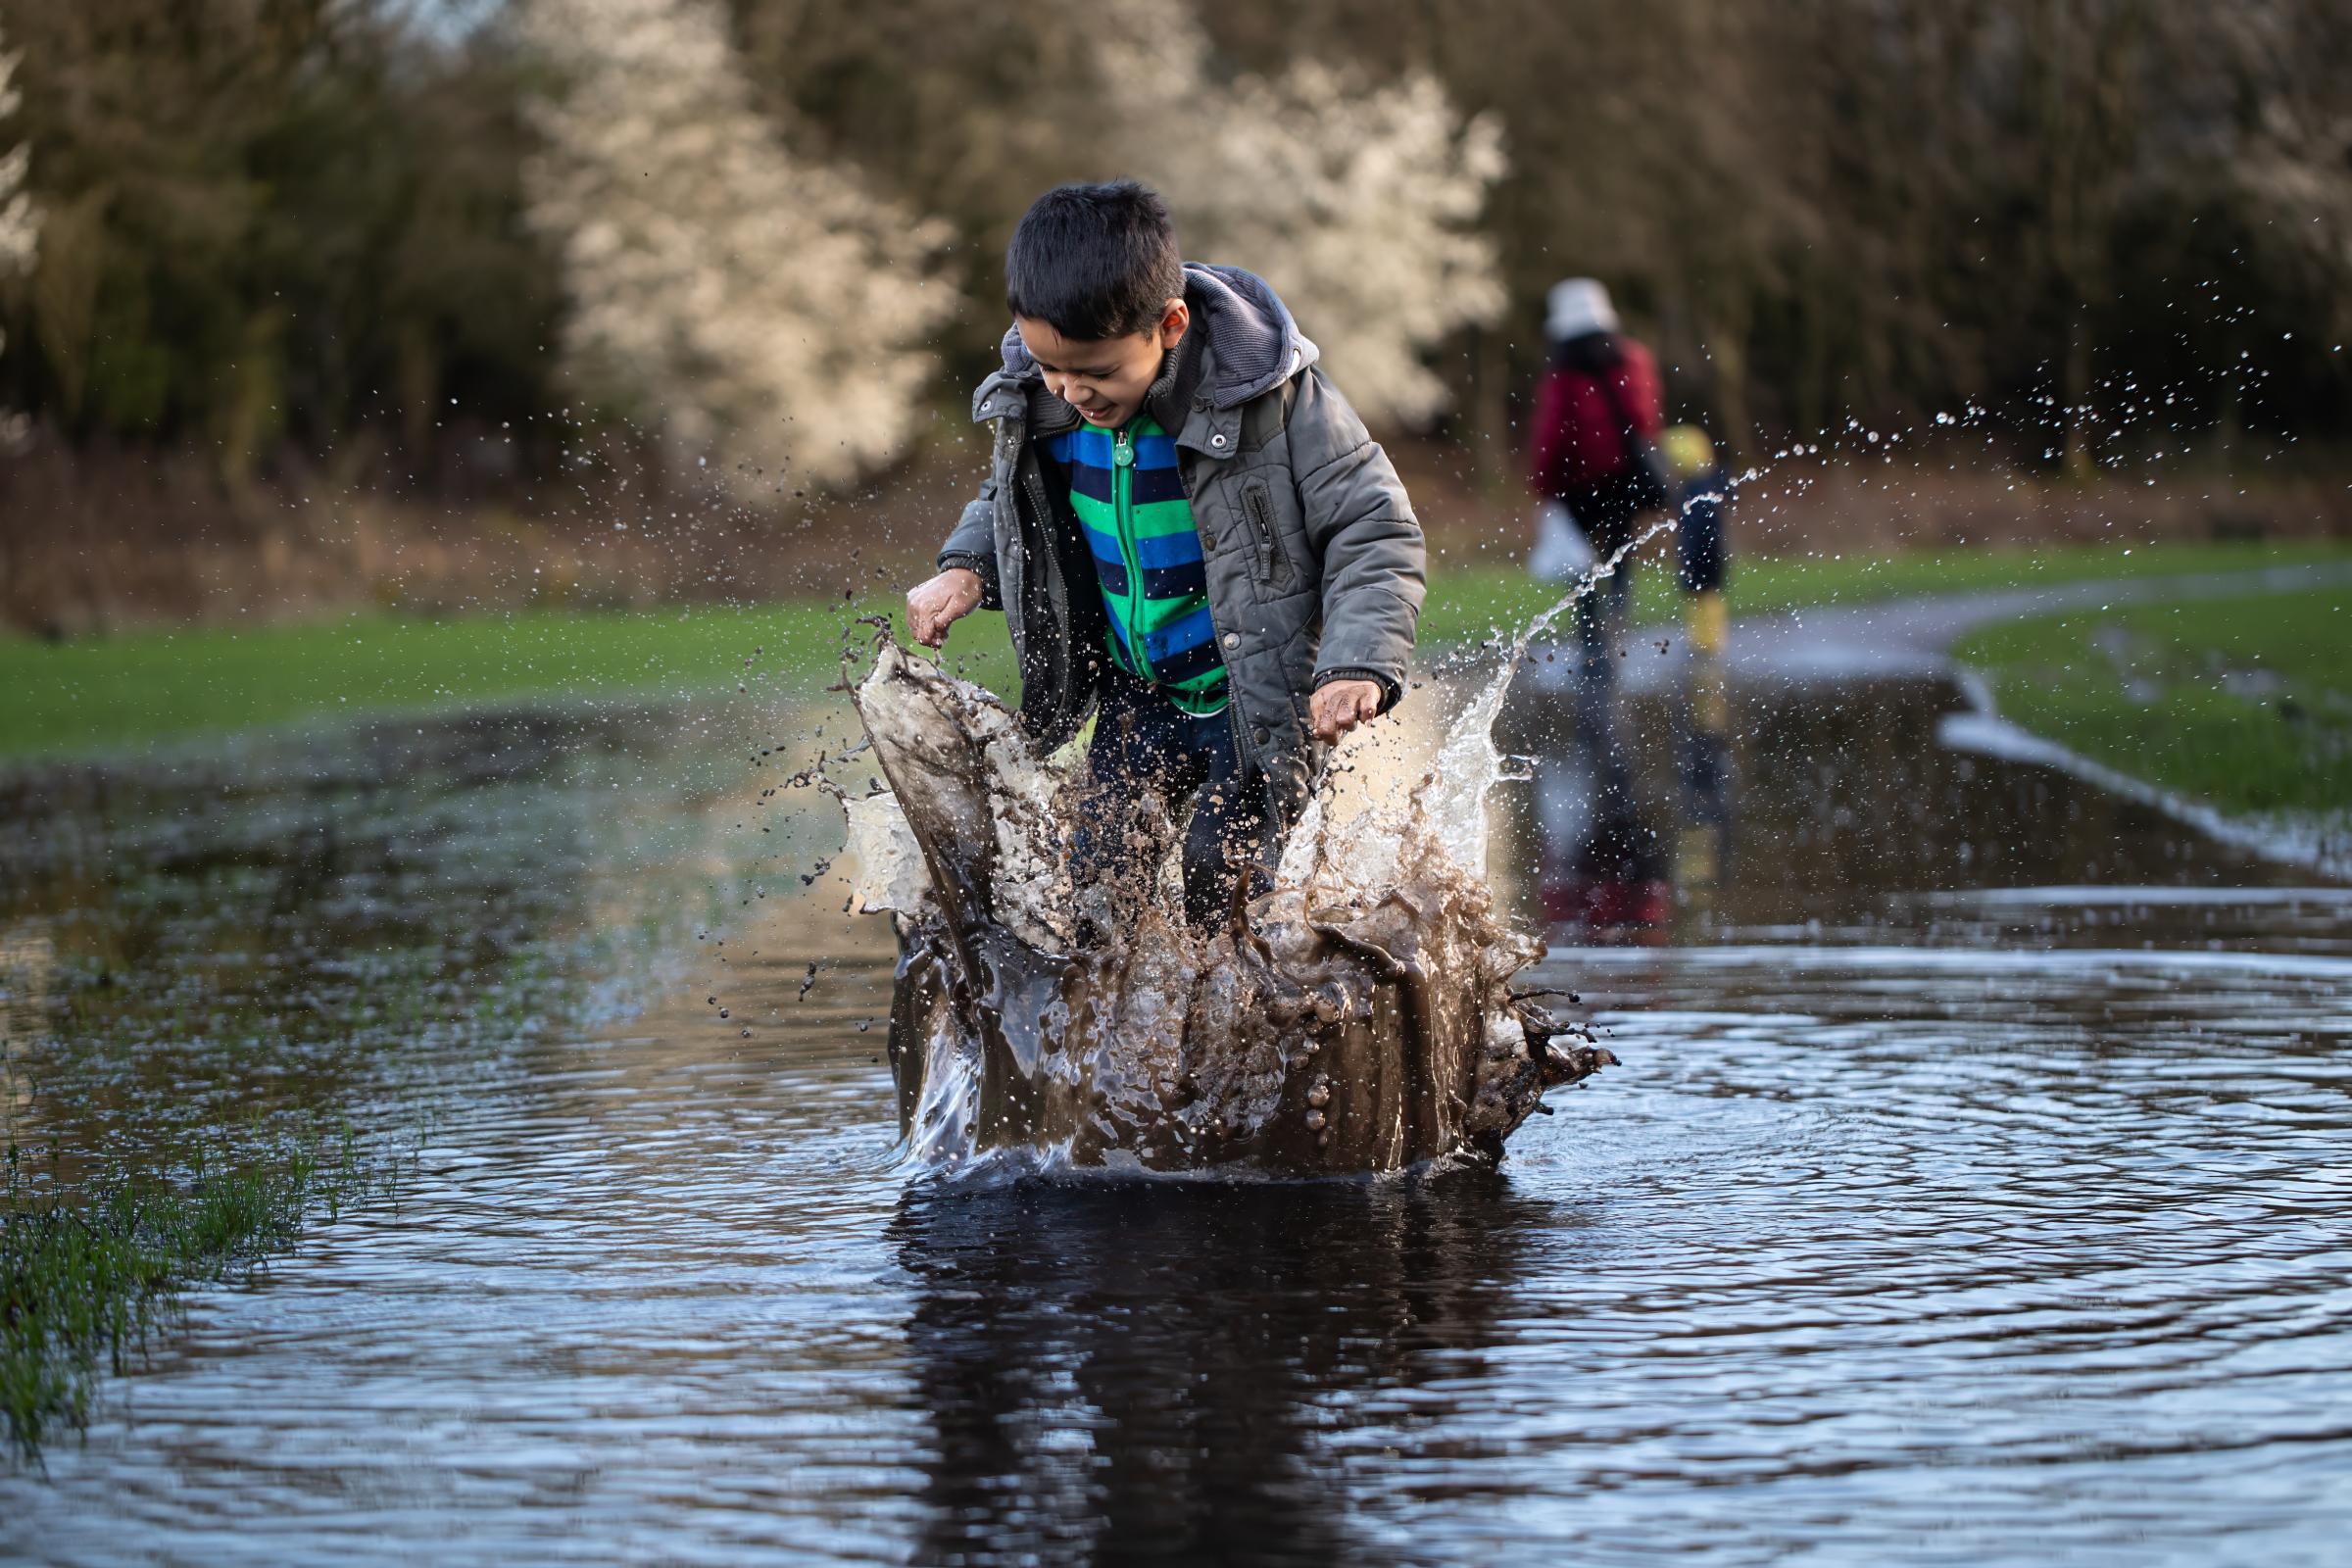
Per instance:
(89,1271)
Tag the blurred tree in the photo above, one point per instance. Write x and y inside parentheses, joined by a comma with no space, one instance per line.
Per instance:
(273,218)
(1359,201)
(20,215)
(757,306)
(2272,130)
(277,226)
(2004,141)
(1830,208)
(965,112)
(1642,151)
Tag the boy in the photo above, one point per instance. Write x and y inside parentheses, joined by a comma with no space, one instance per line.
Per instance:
(1187,528)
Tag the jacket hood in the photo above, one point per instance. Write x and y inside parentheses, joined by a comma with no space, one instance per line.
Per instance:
(1241,344)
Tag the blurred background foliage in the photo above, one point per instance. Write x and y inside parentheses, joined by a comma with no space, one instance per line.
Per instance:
(271,220)
(288,249)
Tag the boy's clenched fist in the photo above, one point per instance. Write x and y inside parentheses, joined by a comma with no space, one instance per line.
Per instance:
(933,607)
(1339,705)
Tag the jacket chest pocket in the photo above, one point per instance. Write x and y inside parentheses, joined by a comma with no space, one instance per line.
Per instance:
(1269,562)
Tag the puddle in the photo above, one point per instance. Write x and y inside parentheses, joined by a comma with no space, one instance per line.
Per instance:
(1971,1187)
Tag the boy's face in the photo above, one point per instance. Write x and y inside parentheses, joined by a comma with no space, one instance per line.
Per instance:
(1105,378)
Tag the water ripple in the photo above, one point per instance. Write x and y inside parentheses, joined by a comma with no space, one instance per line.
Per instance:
(1836,1264)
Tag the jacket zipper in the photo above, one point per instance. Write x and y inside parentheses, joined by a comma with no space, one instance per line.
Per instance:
(1254,502)
(1122,520)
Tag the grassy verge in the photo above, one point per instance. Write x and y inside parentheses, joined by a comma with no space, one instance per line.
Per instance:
(2244,704)
(1466,604)
(86,1273)
(100,694)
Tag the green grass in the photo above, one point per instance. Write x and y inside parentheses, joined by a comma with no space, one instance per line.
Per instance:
(87,1274)
(102,694)
(2244,704)
(1465,606)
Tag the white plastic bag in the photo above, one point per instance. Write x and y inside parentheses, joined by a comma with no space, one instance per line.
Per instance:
(1561,553)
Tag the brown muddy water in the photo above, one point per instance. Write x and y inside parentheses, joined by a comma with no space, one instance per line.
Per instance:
(1971,1189)
(1357,1016)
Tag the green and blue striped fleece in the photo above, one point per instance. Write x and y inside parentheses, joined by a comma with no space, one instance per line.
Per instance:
(1130,501)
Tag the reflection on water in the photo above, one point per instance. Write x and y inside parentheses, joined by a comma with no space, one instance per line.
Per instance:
(286,925)
(1609,863)
(1971,1191)
(1812,818)
(1169,1370)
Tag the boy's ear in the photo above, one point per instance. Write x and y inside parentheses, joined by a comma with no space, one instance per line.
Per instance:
(1172,323)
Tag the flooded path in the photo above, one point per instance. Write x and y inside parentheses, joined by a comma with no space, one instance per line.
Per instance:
(1972,1190)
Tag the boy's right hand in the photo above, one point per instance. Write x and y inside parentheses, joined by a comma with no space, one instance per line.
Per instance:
(935,605)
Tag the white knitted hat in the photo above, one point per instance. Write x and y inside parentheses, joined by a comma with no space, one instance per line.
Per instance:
(1578,306)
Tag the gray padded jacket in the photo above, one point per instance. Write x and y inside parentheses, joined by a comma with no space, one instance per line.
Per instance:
(1316,567)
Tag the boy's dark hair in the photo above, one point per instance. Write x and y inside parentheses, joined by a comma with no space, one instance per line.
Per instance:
(1095,262)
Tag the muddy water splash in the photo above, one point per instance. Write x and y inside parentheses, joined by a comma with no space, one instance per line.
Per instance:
(1357,1017)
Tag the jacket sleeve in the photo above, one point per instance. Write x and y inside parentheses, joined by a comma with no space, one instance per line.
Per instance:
(1362,526)
(972,542)
(1546,435)
(1644,395)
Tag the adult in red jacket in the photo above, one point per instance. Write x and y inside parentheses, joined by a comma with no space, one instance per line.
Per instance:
(1599,411)
(1598,419)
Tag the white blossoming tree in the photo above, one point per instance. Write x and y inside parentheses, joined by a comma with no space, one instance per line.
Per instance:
(1356,200)
(762,308)
(2295,171)
(20,214)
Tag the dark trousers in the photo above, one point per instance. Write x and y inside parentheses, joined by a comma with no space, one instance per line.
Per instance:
(1600,636)
(1143,744)
(1607,513)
